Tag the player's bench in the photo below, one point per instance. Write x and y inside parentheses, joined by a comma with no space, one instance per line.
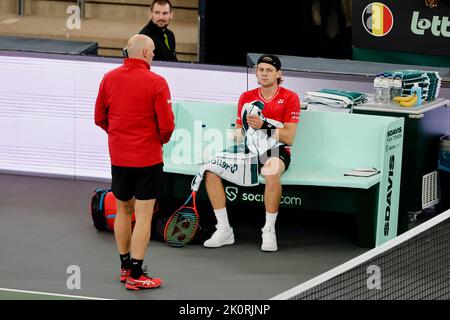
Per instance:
(327,145)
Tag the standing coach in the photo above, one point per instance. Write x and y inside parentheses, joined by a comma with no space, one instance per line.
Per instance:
(134,108)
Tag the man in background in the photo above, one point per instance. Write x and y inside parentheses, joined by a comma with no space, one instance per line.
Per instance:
(157,29)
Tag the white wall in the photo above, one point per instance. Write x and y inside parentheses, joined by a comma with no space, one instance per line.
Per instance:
(47,110)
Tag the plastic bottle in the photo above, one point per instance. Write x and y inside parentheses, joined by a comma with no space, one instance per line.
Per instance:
(397,89)
(391,88)
(378,88)
(385,91)
(205,150)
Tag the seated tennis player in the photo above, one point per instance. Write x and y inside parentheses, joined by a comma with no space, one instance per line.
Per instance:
(283,106)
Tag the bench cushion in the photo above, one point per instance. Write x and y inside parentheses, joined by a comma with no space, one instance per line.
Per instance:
(306,176)
(326,176)
(187,169)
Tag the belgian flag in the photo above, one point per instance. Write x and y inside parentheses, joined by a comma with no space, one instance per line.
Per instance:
(378,19)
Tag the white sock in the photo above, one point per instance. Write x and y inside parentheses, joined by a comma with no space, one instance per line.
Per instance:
(222,218)
(271,218)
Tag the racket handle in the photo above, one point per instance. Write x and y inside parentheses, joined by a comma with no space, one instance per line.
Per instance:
(194,201)
(197,181)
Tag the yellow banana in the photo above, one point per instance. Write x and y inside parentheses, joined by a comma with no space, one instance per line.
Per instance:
(410,103)
(407,98)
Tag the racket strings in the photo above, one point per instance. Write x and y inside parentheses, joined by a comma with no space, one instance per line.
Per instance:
(182,228)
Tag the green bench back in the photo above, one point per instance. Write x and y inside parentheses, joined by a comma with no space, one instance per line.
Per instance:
(196,125)
(341,140)
(167,148)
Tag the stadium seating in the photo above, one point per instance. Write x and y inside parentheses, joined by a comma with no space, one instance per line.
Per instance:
(108,22)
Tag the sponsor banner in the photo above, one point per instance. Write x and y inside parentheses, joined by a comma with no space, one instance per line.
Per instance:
(402,25)
(390,183)
(246,195)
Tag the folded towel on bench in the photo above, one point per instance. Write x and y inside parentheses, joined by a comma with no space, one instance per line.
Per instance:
(233,165)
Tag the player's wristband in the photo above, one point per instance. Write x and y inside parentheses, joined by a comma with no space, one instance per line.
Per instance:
(270,128)
(267,125)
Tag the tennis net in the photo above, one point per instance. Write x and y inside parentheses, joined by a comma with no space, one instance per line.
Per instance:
(413,266)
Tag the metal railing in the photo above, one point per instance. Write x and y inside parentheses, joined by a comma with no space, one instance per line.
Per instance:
(21,7)
(80,3)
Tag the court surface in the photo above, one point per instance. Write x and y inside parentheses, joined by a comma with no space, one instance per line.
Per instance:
(45,227)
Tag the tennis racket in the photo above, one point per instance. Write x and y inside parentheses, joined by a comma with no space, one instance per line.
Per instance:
(183,224)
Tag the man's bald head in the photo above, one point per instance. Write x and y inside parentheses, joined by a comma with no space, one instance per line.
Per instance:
(141,47)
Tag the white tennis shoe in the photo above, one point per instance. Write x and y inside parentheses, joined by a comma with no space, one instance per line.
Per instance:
(220,238)
(269,240)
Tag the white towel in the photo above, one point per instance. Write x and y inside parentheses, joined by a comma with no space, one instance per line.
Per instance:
(257,141)
(239,164)
(233,165)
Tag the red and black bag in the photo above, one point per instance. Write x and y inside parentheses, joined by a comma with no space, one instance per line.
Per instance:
(103,210)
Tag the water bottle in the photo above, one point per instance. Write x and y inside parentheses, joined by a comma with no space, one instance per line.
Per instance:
(397,89)
(377,87)
(385,91)
(205,150)
(391,88)
(231,139)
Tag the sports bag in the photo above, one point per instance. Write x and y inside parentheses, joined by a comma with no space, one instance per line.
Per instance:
(103,210)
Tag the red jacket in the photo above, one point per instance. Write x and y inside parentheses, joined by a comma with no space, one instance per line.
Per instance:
(134,107)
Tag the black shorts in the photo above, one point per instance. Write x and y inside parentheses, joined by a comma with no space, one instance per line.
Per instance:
(142,183)
(279,152)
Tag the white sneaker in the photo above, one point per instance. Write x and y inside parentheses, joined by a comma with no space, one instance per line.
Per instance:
(269,240)
(220,238)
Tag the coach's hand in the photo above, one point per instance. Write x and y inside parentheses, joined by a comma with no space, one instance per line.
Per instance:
(254,121)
